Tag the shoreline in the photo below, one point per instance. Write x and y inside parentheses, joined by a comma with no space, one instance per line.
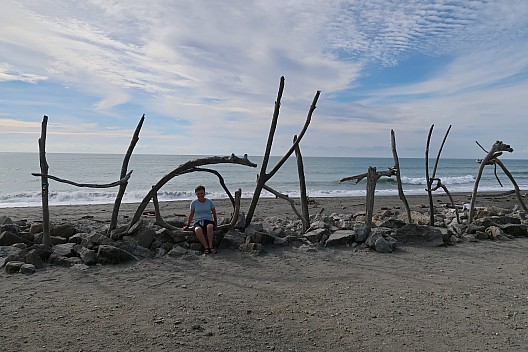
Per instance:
(266,207)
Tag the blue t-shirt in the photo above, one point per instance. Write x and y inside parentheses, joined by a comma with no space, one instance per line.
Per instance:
(202,211)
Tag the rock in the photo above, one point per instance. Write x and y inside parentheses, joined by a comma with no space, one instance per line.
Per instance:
(385,245)
(36,228)
(260,237)
(10,253)
(64,261)
(496,233)
(340,238)
(419,234)
(393,224)
(95,240)
(27,269)
(232,239)
(177,252)
(78,237)
(6,224)
(55,240)
(33,257)
(63,230)
(64,250)
(8,238)
(13,266)
(88,256)
(241,221)
(108,254)
(145,237)
(251,248)
(515,230)
(254,227)
(315,236)
(361,232)
(481,235)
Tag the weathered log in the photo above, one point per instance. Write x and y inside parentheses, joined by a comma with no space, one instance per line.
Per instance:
(124,167)
(372,178)
(46,239)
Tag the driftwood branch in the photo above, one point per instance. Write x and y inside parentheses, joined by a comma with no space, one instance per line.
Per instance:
(46,239)
(286,198)
(439,184)
(263,176)
(124,167)
(401,194)
(430,180)
(87,185)
(388,173)
(182,169)
(496,150)
(302,187)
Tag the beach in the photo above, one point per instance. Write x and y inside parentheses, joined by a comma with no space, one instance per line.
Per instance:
(471,296)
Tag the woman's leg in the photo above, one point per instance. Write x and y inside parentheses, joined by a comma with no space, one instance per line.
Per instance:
(200,236)
(210,237)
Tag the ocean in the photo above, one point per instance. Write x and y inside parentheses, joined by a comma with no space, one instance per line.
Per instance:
(18,188)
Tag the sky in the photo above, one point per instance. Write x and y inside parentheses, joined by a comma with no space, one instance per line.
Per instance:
(206,75)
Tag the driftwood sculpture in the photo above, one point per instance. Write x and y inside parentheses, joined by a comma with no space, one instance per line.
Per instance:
(372,178)
(492,158)
(180,170)
(433,178)
(46,239)
(263,176)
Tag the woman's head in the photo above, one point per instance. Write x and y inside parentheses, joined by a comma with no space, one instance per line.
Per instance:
(199,191)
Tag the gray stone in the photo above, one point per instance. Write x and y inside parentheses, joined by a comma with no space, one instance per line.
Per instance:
(254,227)
(64,250)
(145,237)
(515,230)
(63,230)
(496,233)
(413,234)
(36,228)
(8,238)
(64,261)
(251,248)
(13,266)
(393,224)
(108,254)
(385,245)
(177,252)
(78,237)
(27,269)
(55,240)
(88,256)
(95,240)
(361,232)
(340,238)
(315,236)
(233,239)
(260,237)
(33,257)
(10,253)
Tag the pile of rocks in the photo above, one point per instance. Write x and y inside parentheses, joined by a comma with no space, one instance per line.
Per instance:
(86,243)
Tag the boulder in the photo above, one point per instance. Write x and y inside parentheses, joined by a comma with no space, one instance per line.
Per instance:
(315,236)
(64,250)
(27,269)
(515,230)
(33,257)
(177,251)
(88,256)
(340,238)
(13,266)
(63,230)
(8,238)
(413,234)
(108,254)
(36,228)
(232,239)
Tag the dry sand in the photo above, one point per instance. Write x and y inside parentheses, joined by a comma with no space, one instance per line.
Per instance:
(467,297)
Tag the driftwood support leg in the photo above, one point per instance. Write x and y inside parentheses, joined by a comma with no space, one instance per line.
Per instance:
(302,184)
(515,185)
(372,178)
(401,194)
(124,167)
(46,239)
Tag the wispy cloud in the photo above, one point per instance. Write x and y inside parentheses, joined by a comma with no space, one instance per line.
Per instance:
(211,69)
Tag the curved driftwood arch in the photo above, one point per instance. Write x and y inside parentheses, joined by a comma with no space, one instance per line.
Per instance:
(234,201)
(183,169)
(492,158)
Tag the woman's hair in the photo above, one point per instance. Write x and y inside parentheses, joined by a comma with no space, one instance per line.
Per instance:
(199,188)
